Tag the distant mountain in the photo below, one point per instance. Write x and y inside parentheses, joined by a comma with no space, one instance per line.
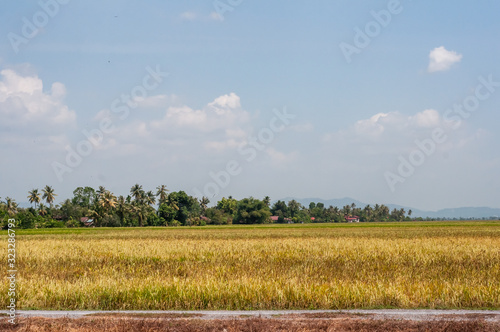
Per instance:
(466,212)
(463,212)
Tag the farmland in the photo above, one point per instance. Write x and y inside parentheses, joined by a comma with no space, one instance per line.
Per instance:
(314,266)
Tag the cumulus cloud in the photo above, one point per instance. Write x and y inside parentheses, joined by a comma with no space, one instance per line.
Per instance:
(226,102)
(183,116)
(372,126)
(220,125)
(440,59)
(382,123)
(428,119)
(223,113)
(25,106)
(388,135)
(36,127)
(386,132)
(365,151)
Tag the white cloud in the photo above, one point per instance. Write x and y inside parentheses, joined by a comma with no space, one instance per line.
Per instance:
(221,125)
(385,133)
(372,126)
(382,124)
(35,127)
(12,83)
(358,156)
(236,133)
(183,116)
(24,105)
(223,113)
(226,102)
(440,59)
(392,134)
(428,119)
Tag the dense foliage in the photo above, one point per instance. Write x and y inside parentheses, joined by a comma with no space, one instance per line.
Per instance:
(97,208)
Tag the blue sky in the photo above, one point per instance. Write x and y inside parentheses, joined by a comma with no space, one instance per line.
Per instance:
(232,66)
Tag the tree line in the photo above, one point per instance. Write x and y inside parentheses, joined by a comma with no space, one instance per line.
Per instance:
(159,207)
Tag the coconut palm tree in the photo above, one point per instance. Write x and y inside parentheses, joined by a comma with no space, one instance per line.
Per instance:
(42,210)
(149,198)
(173,203)
(10,206)
(368,212)
(48,195)
(105,205)
(141,210)
(34,197)
(122,207)
(203,204)
(384,211)
(142,202)
(293,208)
(101,191)
(401,214)
(136,191)
(107,200)
(162,193)
(346,210)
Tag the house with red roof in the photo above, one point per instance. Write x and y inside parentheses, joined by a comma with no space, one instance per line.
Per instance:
(351,218)
(87,221)
(275,219)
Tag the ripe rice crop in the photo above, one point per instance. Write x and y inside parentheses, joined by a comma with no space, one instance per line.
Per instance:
(318,266)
